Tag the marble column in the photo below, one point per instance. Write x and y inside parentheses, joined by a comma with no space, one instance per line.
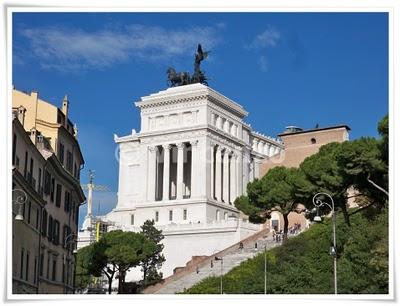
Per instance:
(261,146)
(267,148)
(212,147)
(233,178)
(151,183)
(255,144)
(225,196)
(166,182)
(179,176)
(193,181)
(218,174)
(271,150)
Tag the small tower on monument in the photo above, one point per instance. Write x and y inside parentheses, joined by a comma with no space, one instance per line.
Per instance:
(90,187)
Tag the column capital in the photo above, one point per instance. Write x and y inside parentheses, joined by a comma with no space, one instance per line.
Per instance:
(166,146)
(180,145)
(219,148)
(194,143)
(152,148)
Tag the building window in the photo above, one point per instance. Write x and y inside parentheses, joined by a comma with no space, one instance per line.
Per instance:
(40,181)
(44,223)
(313,141)
(58,195)
(26,164)
(156,216)
(61,153)
(21,272)
(73,210)
(50,230)
(35,271)
(37,218)
(54,272)
(27,267)
(56,232)
(184,214)
(30,174)
(170,215)
(14,148)
(69,161)
(48,266)
(24,210)
(47,178)
(41,264)
(29,212)
(52,187)
(132,219)
(67,201)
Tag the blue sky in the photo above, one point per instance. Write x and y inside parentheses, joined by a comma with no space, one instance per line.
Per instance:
(284,68)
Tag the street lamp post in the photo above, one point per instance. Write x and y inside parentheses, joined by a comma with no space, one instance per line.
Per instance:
(318,202)
(67,264)
(222,270)
(19,198)
(265,269)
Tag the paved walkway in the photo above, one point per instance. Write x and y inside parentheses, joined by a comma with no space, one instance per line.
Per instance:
(232,258)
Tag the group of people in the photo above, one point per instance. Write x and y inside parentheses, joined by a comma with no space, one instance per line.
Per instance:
(295,229)
(278,235)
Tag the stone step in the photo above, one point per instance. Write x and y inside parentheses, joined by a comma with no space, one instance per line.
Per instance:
(231,260)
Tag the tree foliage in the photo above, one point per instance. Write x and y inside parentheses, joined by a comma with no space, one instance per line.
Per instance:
(125,250)
(256,214)
(360,165)
(82,275)
(303,265)
(117,252)
(153,262)
(324,175)
(278,191)
(383,129)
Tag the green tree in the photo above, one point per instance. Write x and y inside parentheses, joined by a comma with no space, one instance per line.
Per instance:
(153,262)
(322,172)
(125,250)
(82,275)
(278,191)
(100,264)
(383,129)
(361,165)
(256,214)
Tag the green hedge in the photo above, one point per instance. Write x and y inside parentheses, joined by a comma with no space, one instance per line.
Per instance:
(303,264)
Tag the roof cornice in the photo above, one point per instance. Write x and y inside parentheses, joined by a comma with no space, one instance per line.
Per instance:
(188,93)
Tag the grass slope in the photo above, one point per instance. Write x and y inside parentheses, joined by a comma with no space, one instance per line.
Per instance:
(303,264)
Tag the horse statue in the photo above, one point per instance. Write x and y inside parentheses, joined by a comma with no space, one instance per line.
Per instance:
(184,78)
(177,78)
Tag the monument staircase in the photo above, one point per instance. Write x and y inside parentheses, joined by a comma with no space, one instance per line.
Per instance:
(201,267)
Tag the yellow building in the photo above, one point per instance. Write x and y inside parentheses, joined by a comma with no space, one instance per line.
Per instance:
(46,165)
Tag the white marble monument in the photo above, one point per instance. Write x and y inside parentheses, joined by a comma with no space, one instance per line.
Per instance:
(192,157)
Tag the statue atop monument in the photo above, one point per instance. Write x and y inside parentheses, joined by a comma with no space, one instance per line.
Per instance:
(184,78)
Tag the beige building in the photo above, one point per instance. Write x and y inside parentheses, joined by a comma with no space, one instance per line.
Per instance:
(46,161)
(300,144)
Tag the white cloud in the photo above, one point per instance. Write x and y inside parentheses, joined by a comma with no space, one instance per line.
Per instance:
(263,64)
(269,38)
(74,49)
(263,41)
